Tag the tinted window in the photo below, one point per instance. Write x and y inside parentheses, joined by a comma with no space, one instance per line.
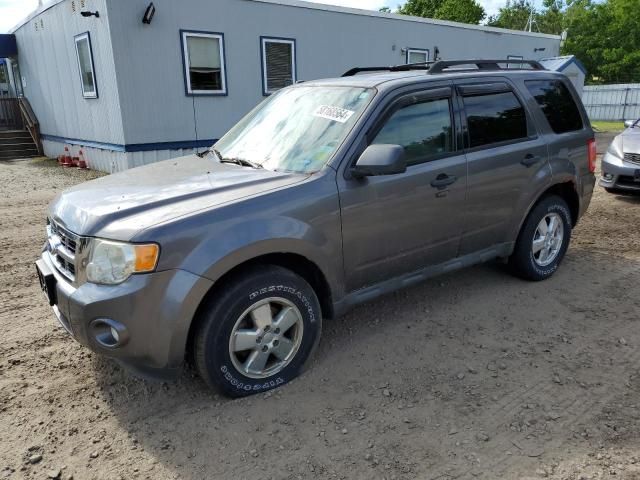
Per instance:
(494,118)
(558,106)
(423,129)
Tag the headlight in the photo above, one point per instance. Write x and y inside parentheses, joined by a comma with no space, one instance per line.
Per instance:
(111,262)
(615,148)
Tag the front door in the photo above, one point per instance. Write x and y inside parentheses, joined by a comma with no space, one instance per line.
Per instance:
(397,224)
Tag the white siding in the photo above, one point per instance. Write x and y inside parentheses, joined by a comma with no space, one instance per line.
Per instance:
(149,59)
(47,56)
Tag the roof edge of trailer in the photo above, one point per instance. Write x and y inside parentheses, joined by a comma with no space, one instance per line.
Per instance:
(406,18)
(46,5)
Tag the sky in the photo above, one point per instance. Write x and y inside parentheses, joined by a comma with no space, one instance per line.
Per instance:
(12,11)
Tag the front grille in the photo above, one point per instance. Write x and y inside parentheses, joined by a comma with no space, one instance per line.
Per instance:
(632,157)
(63,246)
(68,239)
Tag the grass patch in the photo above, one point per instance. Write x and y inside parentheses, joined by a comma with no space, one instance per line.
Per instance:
(605,126)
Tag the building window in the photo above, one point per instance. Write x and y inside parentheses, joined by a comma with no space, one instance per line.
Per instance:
(278,64)
(495,118)
(514,64)
(85,64)
(417,55)
(204,63)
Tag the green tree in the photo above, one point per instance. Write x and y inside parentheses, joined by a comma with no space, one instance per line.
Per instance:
(606,38)
(465,11)
(385,10)
(514,15)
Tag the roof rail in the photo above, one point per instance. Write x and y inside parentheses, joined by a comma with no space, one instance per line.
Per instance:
(393,68)
(442,65)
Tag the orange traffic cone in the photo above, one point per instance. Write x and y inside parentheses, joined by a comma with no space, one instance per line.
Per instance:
(82,163)
(66,159)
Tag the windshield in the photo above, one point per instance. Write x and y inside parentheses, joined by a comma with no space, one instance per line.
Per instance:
(296,130)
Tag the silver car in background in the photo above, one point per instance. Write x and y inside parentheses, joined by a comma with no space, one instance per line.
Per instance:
(621,162)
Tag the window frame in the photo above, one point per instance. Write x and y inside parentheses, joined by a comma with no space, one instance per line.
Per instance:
(411,50)
(414,98)
(189,91)
(263,61)
(76,40)
(499,85)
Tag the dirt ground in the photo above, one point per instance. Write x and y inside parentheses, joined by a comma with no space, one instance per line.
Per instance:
(472,375)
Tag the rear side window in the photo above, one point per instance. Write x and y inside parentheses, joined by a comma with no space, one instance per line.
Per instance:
(495,118)
(423,129)
(557,104)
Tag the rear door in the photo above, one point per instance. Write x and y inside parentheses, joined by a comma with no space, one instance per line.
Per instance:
(395,224)
(506,159)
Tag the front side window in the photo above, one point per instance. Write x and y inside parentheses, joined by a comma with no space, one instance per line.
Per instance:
(417,56)
(278,64)
(204,63)
(557,104)
(296,130)
(85,64)
(494,118)
(423,129)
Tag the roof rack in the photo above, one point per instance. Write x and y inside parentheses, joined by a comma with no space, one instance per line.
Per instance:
(442,65)
(394,68)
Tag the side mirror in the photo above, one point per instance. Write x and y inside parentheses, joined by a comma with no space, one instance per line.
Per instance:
(380,160)
(629,123)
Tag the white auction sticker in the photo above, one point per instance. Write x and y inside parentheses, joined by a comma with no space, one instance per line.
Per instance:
(336,114)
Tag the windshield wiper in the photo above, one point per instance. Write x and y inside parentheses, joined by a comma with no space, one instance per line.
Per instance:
(207,152)
(239,161)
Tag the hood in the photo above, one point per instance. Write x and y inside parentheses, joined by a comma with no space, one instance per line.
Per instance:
(631,140)
(120,205)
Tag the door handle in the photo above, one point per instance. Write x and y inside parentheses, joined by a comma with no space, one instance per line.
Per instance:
(443,180)
(530,160)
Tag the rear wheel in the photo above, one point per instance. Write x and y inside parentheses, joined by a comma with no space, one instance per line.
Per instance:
(258,333)
(543,240)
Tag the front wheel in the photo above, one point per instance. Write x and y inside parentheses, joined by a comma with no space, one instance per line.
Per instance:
(543,240)
(258,333)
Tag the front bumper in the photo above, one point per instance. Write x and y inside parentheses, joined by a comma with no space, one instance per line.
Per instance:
(618,174)
(153,310)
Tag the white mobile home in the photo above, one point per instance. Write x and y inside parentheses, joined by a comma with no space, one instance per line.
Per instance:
(132,82)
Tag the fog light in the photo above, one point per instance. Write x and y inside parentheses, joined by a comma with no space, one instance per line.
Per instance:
(109,333)
(115,335)
(607,176)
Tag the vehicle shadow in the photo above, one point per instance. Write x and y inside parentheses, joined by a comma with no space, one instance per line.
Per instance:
(633,199)
(393,378)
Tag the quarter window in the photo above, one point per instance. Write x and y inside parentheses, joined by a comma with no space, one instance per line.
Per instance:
(278,64)
(423,129)
(557,104)
(204,63)
(85,64)
(415,55)
(495,118)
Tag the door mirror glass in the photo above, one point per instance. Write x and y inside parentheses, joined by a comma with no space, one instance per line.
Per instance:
(629,123)
(381,159)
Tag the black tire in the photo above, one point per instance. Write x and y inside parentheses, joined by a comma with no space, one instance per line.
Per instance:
(212,351)
(523,262)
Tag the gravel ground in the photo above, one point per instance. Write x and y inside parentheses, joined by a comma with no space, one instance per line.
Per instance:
(472,375)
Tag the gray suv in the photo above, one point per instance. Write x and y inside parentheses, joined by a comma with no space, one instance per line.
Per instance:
(328,194)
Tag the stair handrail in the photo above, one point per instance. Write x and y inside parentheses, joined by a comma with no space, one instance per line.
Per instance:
(31,122)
